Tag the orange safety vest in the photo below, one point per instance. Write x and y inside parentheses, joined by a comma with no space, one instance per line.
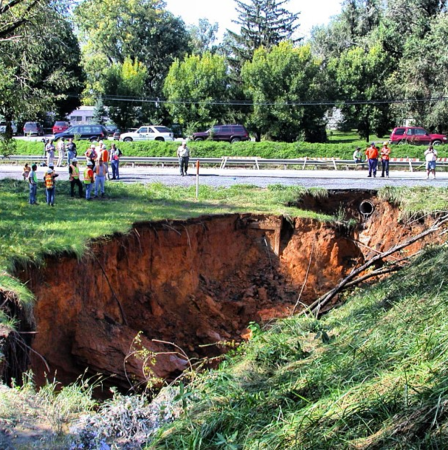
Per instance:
(49,182)
(385,152)
(104,156)
(88,173)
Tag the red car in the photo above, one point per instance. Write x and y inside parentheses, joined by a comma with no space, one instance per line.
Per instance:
(416,135)
(60,126)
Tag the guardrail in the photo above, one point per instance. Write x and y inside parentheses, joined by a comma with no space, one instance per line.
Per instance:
(254,161)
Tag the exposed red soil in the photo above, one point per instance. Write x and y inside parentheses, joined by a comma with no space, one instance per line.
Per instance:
(194,284)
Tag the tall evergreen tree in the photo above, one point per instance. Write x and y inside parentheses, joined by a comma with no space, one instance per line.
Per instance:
(264,23)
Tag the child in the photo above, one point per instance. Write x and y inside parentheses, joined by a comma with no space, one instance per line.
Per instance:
(26,171)
(33,185)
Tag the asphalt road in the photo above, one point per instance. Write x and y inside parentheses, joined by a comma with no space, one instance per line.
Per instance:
(329,179)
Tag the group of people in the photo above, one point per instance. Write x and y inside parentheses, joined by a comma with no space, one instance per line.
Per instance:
(94,175)
(374,154)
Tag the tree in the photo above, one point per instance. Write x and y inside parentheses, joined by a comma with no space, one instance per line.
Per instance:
(139,29)
(122,83)
(39,66)
(361,76)
(423,74)
(279,81)
(264,23)
(203,37)
(195,89)
(99,112)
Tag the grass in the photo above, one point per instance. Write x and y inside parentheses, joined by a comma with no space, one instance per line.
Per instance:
(378,380)
(340,145)
(371,374)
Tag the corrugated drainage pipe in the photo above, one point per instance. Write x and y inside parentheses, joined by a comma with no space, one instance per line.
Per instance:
(366,208)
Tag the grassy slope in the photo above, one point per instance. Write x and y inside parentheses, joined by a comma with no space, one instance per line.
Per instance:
(337,148)
(27,232)
(371,374)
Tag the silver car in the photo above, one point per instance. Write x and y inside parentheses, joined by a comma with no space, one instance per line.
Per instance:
(149,133)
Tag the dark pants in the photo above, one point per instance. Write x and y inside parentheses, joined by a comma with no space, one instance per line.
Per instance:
(183,162)
(50,196)
(385,167)
(373,164)
(76,181)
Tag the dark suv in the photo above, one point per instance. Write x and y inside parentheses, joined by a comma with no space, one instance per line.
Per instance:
(228,133)
(91,132)
(416,135)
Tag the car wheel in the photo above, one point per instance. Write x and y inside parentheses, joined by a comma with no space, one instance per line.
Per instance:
(160,139)
(127,139)
(436,142)
(198,139)
(235,139)
(403,141)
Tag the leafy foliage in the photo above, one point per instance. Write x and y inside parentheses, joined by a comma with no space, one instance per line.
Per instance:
(276,80)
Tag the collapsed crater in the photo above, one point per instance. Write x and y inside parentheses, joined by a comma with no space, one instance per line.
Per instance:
(187,288)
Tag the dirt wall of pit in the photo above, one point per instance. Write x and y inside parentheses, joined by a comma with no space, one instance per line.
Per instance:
(186,287)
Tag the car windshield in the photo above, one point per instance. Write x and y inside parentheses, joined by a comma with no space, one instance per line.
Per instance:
(60,124)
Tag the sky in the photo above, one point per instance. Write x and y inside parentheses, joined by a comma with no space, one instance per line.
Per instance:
(312,12)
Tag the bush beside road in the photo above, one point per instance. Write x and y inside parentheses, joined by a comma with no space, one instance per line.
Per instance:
(270,150)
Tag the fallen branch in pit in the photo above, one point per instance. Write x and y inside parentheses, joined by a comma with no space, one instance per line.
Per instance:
(316,306)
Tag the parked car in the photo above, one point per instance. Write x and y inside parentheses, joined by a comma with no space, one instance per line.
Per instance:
(92,132)
(116,135)
(31,128)
(3,127)
(149,133)
(60,126)
(228,133)
(416,135)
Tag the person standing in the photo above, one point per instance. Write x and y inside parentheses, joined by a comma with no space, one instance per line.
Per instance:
(61,152)
(49,149)
(32,179)
(91,155)
(88,179)
(26,171)
(431,158)
(100,177)
(385,159)
(50,186)
(74,178)
(357,155)
(115,154)
(71,151)
(183,153)
(103,156)
(372,159)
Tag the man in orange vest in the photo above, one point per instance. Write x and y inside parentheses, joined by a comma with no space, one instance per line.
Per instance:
(74,178)
(385,157)
(104,157)
(49,185)
(372,159)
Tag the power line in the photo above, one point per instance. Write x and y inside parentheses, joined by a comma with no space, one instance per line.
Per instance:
(334,103)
